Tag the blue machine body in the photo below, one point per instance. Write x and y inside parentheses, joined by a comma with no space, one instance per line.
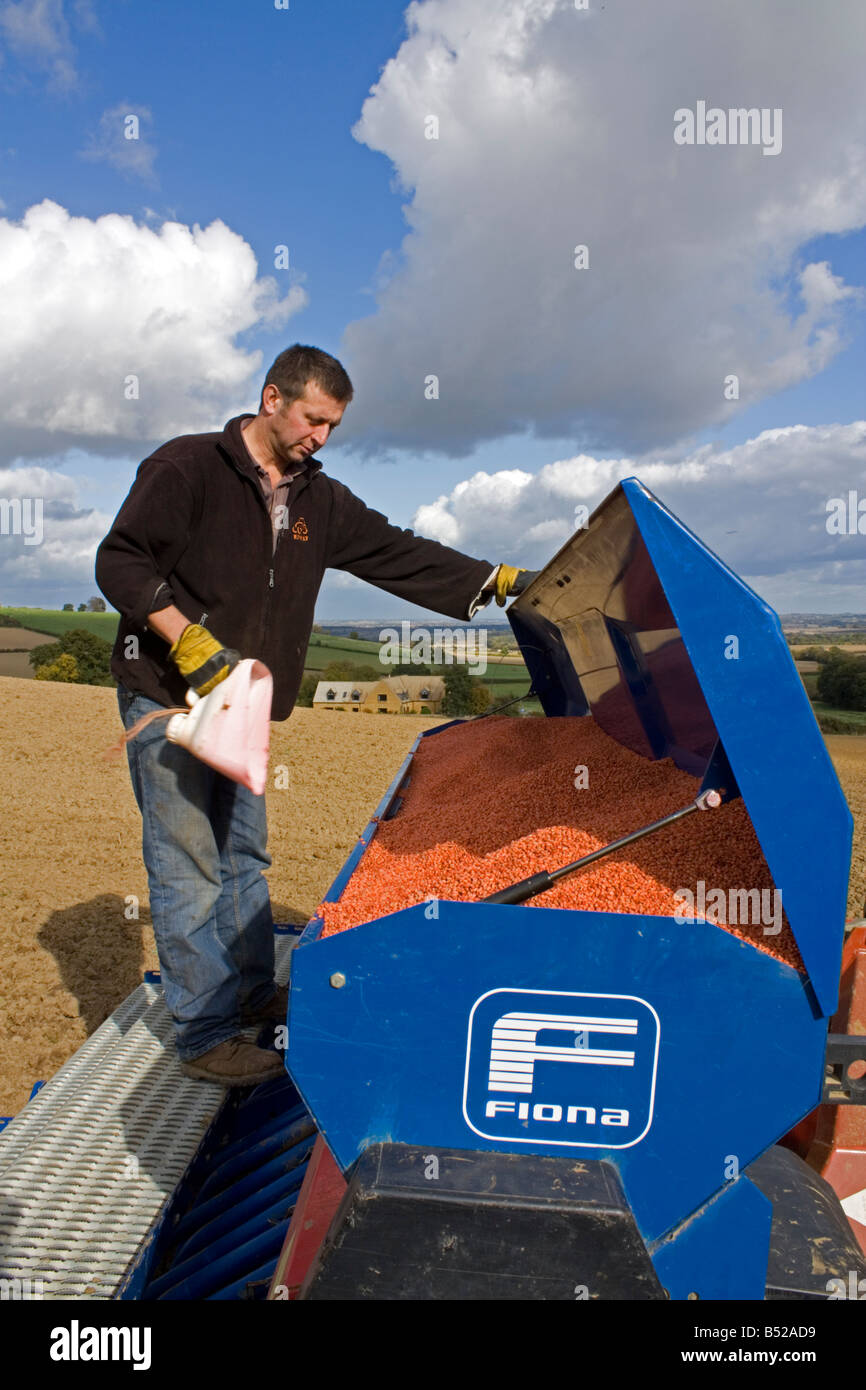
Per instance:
(674,1050)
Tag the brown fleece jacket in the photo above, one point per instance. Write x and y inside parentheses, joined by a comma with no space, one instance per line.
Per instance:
(195,532)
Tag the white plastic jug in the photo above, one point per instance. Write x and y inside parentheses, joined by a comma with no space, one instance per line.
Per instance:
(230,728)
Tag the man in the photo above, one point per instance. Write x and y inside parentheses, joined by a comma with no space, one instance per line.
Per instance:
(217,554)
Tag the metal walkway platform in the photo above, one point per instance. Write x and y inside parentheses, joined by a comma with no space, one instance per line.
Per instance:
(88,1167)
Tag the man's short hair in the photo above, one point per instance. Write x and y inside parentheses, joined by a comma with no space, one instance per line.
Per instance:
(298,365)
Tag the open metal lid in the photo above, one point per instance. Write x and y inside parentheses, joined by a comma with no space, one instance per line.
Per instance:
(636,622)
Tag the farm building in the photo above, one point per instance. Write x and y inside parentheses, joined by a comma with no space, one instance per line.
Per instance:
(390,695)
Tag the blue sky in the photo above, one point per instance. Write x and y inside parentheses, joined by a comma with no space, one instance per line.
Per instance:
(409,256)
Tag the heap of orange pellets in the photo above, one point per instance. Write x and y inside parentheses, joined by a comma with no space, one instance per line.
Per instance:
(492,802)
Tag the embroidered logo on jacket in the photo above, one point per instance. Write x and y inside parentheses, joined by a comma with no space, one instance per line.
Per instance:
(299,530)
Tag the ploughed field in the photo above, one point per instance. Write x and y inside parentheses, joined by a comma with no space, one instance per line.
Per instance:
(16,643)
(75,931)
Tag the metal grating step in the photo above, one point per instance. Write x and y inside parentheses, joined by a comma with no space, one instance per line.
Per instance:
(90,1163)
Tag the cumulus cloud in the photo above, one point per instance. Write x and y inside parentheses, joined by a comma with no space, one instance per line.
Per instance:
(761,505)
(121,140)
(555,130)
(114,330)
(48,540)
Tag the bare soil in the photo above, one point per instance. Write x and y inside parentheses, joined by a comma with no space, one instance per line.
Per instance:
(848,752)
(70,858)
(13,638)
(15,645)
(70,855)
(16,664)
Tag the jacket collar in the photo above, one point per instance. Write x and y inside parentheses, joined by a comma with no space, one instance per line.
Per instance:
(232,442)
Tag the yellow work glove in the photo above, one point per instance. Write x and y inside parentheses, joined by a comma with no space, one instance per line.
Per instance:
(201,659)
(510,582)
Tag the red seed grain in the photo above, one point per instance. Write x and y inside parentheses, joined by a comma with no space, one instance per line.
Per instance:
(493,802)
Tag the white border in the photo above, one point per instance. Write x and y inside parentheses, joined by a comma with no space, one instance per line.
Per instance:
(561,994)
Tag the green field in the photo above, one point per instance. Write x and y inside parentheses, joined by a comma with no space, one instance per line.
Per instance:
(839,721)
(830,719)
(323,649)
(503,680)
(54,623)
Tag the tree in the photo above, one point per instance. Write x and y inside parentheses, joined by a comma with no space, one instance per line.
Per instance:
(92,656)
(68,608)
(350,671)
(458,691)
(96,604)
(481,698)
(842,681)
(407,669)
(65,668)
(82,608)
(307,691)
(354,636)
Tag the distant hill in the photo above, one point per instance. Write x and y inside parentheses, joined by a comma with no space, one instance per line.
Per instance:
(369,629)
(54,623)
(324,647)
(831,621)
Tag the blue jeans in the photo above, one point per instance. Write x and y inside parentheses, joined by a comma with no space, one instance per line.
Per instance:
(204,842)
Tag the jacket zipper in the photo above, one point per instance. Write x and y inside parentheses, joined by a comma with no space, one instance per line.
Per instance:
(270,589)
(273,548)
(267,612)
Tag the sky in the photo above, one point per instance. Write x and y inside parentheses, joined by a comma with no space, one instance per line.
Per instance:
(188,188)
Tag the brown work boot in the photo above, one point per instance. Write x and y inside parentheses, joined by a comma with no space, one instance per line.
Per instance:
(274,1011)
(237,1062)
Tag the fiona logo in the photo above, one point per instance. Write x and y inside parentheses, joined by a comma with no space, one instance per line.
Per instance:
(550,1067)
